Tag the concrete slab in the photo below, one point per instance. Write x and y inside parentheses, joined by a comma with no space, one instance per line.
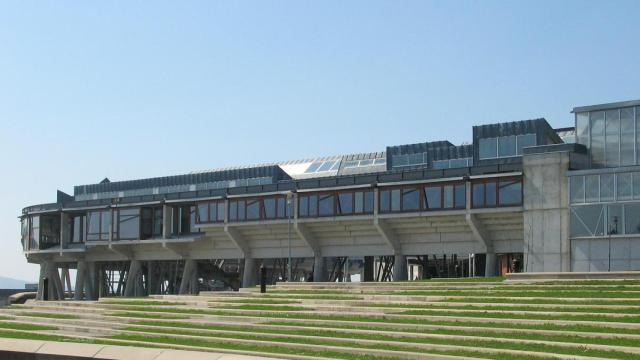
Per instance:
(121,352)
(69,349)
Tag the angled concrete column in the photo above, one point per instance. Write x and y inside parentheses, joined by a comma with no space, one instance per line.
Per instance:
(81,273)
(490,265)
(49,270)
(188,285)
(131,288)
(152,278)
(250,272)
(319,273)
(400,268)
(91,283)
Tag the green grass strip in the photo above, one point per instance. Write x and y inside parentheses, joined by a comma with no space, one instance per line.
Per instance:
(617,341)
(581,294)
(501,315)
(36,336)
(506,308)
(49,315)
(265,301)
(141,302)
(480,343)
(311,296)
(147,315)
(22,326)
(259,307)
(284,349)
(549,301)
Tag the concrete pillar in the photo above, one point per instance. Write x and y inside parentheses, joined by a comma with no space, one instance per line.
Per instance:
(55,291)
(319,272)
(81,272)
(400,268)
(369,266)
(152,278)
(133,277)
(189,273)
(249,273)
(490,265)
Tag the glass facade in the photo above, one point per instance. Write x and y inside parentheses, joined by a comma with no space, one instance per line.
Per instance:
(505,146)
(610,136)
(335,203)
(452,163)
(608,187)
(417,159)
(412,198)
(489,193)
(126,224)
(98,223)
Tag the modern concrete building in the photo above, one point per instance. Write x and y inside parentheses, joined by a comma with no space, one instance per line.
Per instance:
(521,197)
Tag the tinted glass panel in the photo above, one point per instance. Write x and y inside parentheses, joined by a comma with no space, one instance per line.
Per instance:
(326,205)
(612,132)
(395,200)
(510,192)
(506,146)
(478,195)
(597,139)
(441,164)
(592,188)
(632,218)
(345,203)
(577,189)
(282,213)
(606,187)
(524,141)
(385,201)
(410,199)
(582,129)
(303,206)
(488,148)
(313,205)
(253,210)
(368,202)
(627,139)
(587,220)
(359,202)
(624,186)
(433,197)
(203,212)
(448,196)
(270,208)
(220,212)
(614,220)
(233,210)
(129,224)
(460,196)
(490,191)
(241,210)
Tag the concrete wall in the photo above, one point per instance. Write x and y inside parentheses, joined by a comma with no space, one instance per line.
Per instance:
(546,212)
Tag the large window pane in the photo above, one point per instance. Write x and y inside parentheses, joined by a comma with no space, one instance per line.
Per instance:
(34,237)
(358,202)
(587,220)
(592,188)
(507,146)
(233,210)
(385,201)
(597,139)
(458,163)
(490,191)
(220,212)
(345,203)
(636,185)
(624,186)
(478,195)
(128,224)
(105,222)
(614,220)
(433,197)
(283,209)
(607,187)
(253,210)
(313,205)
(303,206)
(270,208)
(448,196)
(632,218)
(241,210)
(627,139)
(441,164)
(582,129)
(510,192)
(612,132)
(395,200)
(157,221)
(325,203)
(488,148)
(368,202)
(526,140)
(577,189)
(203,213)
(410,199)
(460,195)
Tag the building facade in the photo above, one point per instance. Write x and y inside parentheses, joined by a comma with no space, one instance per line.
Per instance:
(521,197)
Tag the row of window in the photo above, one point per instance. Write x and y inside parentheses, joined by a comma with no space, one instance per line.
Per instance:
(409,160)
(610,135)
(126,224)
(603,220)
(335,203)
(604,187)
(505,146)
(363,163)
(40,232)
(494,192)
(417,198)
(452,163)
(322,166)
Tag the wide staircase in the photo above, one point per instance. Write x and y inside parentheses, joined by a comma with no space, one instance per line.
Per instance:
(433,319)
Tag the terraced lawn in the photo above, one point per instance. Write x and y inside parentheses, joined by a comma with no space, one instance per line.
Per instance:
(486,319)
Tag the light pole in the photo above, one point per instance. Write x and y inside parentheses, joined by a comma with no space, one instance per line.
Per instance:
(289,235)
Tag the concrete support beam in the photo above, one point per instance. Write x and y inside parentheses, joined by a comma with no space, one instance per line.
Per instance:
(319,271)
(54,289)
(122,250)
(81,273)
(479,231)
(133,286)
(388,235)
(178,249)
(250,273)
(238,240)
(400,268)
(86,284)
(189,283)
(307,236)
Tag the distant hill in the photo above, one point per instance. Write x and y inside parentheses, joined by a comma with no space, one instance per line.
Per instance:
(9,283)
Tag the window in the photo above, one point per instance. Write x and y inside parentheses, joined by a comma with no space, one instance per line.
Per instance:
(359,202)
(76,227)
(322,166)
(526,140)
(592,188)
(441,164)
(458,163)
(303,206)
(325,205)
(627,137)
(577,189)
(510,192)
(24,232)
(270,208)
(368,202)
(395,200)
(208,212)
(582,129)
(612,138)
(507,146)
(185,220)
(410,199)
(460,196)
(624,186)
(597,139)
(448,196)
(433,197)
(614,220)
(253,210)
(607,187)
(477,192)
(409,160)
(98,223)
(632,218)
(34,236)
(587,220)
(151,222)
(488,148)
(313,205)
(385,201)
(345,203)
(490,194)
(127,226)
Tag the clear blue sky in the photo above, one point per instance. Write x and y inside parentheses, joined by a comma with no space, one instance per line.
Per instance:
(125,90)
